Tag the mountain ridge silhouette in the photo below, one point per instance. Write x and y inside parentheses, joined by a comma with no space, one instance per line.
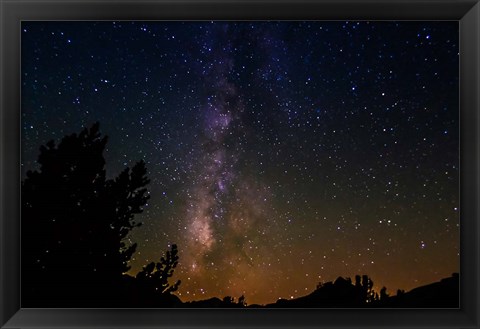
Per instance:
(343,294)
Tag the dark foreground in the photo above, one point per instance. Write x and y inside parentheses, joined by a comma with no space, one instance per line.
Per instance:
(344,294)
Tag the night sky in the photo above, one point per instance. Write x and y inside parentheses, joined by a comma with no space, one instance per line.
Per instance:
(281,154)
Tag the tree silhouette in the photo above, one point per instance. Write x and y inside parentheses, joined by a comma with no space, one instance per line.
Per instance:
(368,294)
(228,300)
(74,221)
(242,302)
(154,276)
(383,294)
(358,279)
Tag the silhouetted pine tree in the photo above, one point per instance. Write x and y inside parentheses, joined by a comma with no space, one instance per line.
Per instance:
(368,294)
(242,302)
(74,221)
(153,279)
(383,294)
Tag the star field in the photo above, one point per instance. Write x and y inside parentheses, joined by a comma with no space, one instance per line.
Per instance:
(281,154)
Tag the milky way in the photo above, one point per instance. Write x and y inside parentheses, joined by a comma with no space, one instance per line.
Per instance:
(281,154)
(226,206)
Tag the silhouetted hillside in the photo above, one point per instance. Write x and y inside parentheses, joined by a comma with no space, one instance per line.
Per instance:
(342,293)
(227,302)
(442,294)
(137,295)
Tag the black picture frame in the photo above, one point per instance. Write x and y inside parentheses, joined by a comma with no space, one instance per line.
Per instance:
(12,12)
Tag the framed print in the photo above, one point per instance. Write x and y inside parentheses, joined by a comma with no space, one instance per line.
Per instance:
(239,164)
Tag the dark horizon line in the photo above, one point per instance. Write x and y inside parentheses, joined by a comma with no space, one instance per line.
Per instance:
(454,275)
